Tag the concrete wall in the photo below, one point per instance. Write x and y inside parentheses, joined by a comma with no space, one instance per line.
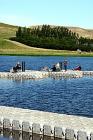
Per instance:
(50,124)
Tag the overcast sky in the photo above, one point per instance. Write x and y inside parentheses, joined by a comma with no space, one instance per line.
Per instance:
(54,12)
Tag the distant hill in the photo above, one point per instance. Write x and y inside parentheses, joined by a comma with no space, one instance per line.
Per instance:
(7,31)
(88,33)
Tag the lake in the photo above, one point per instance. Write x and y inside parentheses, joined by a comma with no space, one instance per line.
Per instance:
(68,96)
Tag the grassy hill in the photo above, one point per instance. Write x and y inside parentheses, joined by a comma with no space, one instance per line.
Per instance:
(7,31)
(8,47)
(88,33)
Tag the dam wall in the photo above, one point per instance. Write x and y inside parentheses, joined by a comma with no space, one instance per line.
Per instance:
(67,127)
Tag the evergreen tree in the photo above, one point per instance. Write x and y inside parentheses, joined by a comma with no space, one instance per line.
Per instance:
(19,32)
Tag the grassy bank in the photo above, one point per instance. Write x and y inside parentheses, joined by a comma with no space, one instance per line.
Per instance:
(14,48)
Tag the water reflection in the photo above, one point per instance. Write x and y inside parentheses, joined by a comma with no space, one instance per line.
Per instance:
(7,134)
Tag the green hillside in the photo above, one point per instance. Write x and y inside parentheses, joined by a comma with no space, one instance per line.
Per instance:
(8,47)
(57,37)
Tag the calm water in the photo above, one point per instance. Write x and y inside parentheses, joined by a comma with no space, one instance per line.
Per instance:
(69,96)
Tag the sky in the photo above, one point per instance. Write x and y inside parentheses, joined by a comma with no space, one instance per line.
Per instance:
(76,13)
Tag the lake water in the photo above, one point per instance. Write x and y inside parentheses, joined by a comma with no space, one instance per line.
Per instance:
(68,96)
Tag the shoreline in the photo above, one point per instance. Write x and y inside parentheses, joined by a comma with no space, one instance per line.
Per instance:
(63,55)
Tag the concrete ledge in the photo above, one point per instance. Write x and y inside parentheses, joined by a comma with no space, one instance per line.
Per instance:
(69,134)
(36,128)
(6,123)
(58,132)
(47,130)
(81,135)
(16,125)
(26,126)
(50,124)
(91,136)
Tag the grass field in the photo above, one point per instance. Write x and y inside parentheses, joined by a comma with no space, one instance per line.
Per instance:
(8,47)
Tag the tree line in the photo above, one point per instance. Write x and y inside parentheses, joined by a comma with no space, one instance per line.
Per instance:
(46,36)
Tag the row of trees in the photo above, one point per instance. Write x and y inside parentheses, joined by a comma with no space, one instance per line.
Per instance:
(50,37)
